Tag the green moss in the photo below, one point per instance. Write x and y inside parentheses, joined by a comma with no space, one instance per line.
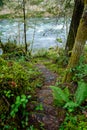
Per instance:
(18,78)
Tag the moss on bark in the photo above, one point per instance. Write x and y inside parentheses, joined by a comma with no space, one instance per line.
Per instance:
(77,13)
(80,40)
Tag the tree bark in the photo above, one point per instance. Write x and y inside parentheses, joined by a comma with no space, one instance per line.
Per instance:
(80,41)
(1,3)
(25,40)
(77,13)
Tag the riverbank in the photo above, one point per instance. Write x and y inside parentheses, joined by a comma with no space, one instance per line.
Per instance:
(34,14)
(34,11)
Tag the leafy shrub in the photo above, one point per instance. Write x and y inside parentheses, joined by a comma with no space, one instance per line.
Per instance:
(62,59)
(58,56)
(71,122)
(20,101)
(17,79)
(81,72)
(41,53)
(12,50)
(13,76)
(62,97)
(81,93)
(18,113)
(10,47)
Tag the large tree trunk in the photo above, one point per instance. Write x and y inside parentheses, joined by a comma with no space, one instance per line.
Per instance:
(77,13)
(80,40)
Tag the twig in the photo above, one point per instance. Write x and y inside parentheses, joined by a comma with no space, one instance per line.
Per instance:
(6,100)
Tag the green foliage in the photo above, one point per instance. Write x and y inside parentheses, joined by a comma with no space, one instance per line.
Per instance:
(8,93)
(35,2)
(73,122)
(17,109)
(16,71)
(8,47)
(41,53)
(62,59)
(81,93)
(13,77)
(12,50)
(5,16)
(58,56)
(70,106)
(31,128)
(80,70)
(53,54)
(20,101)
(68,4)
(59,40)
(62,97)
(39,107)
(17,79)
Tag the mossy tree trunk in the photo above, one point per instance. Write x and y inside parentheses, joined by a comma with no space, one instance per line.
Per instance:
(77,13)
(80,40)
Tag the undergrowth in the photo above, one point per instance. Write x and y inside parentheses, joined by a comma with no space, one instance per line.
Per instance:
(75,104)
(19,79)
(74,122)
(63,97)
(18,83)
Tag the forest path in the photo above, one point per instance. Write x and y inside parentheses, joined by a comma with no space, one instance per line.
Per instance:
(50,116)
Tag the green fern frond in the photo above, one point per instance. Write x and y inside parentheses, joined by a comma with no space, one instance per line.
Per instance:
(66,91)
(70,106)
(81,92)
(60,97)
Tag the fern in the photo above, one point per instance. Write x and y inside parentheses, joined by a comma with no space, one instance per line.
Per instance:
(60,96)
(81,92)
(66,91)
(70,106)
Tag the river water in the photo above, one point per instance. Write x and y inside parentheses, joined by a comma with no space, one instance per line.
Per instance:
(42,32)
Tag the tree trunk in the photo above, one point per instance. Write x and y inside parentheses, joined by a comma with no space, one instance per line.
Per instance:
(25,40)
(1,3)
(77,13)
(80,40)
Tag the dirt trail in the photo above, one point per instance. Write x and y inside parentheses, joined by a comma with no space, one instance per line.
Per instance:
(49,116)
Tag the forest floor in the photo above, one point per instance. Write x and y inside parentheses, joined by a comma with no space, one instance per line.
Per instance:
(49,117)
(37,74)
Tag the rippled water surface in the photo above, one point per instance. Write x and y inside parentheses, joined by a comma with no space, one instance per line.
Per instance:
(42,31)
